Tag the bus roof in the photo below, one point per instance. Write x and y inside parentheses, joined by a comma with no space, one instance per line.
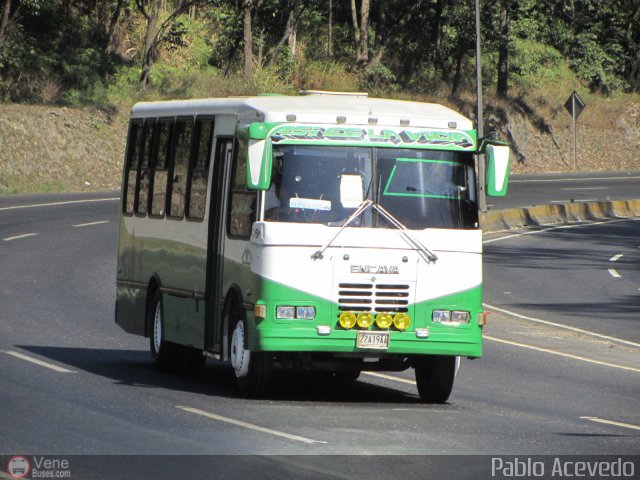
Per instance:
(314,108)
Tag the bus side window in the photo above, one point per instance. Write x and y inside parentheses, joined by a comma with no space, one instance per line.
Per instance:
(199,172)
(242,204)
(131,170)
(161,169)
(142,203)
(180,170)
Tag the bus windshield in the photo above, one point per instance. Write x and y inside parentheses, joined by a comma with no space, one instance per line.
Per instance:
(325,184)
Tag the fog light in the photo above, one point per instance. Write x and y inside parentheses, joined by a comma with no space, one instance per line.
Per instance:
(441,316)
(401,321)
(285,312)
(347,320)
(365,319)
(384,320)
(458,316)
(306,313)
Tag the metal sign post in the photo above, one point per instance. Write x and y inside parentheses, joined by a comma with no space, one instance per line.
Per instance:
(574,106)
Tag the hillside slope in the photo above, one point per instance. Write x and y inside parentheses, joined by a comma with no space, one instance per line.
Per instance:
(48,148)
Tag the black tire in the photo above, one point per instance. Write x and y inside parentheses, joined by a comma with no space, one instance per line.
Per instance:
(347,375)
(192,360)
(434,377)
(164,355)
(253,370)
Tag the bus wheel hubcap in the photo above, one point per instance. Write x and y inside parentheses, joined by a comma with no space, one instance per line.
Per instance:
(157,329)
(239,355)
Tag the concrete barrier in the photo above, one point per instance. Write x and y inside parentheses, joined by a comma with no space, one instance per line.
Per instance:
(538,215)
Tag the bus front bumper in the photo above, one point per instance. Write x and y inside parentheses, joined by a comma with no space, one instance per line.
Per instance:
(438,340)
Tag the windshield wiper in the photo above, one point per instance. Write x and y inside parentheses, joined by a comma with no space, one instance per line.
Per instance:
(405,233)
(364,206)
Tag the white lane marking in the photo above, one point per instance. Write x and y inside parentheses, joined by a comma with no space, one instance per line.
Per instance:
(35,361)
(561,354)
(614,273)
(101,222)
(560,325)
(545,229)
(612,422)
(584,188)
(250,426)
(617,257)
(51,204)
(548,229)
(555,180)
(390,377)
(18,237)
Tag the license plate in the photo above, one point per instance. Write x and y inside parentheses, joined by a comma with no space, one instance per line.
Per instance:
(378,340)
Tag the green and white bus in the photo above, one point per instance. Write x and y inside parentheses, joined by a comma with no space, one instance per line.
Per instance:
(326,231)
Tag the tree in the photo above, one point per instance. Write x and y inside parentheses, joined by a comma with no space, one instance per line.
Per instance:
(330,32)
(10,10)
(503,50)
(389,28)
(248,40)
(289,36)
(634,70)
(361,31)
(4,21)
(154,34)
(111,29)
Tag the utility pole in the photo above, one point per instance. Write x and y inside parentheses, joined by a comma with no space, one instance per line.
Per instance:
(480,114)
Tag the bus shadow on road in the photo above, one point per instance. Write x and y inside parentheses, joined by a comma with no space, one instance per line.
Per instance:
(133,368)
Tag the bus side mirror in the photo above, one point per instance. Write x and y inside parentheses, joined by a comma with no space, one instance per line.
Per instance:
(260,158)
(497,178)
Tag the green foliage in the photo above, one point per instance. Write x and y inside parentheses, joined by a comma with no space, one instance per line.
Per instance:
(55,52)
(593,64)
(532,61)
(379,79)
(44,64)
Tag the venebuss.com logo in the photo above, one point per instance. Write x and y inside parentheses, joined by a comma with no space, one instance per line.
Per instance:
(18,467)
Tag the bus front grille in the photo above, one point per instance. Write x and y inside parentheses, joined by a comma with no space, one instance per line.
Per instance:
(368,297)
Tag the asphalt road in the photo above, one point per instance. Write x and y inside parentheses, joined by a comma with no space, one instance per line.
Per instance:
(586,276)
(528,190)
(73,383)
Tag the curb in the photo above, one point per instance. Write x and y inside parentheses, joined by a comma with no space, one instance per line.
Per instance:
(538,215)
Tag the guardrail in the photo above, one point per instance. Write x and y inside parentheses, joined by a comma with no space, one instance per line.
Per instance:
(539,215)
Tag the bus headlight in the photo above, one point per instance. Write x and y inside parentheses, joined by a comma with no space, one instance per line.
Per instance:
(288,312)
(453,317)
(441,316)
(347,320)
(401,321)
(458,316)
(306,313)
(384,320)
(285,312)
(364,319)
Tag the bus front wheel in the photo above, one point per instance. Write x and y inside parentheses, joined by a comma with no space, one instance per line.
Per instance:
(252,369)
(434,377)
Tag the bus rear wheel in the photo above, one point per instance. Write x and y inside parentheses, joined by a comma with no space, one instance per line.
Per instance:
(164,355)
(252,369)
(434,377)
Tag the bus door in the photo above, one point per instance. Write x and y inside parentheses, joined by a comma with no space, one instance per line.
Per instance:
(213,308)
